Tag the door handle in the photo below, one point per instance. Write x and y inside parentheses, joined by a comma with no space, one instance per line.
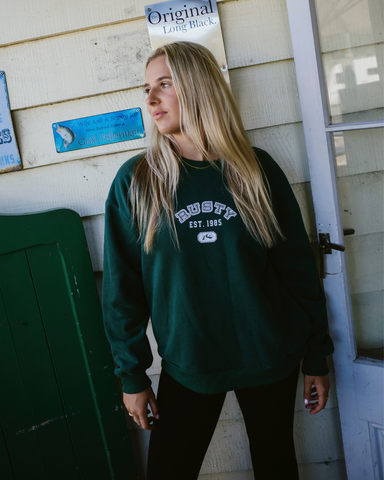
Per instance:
(326,247)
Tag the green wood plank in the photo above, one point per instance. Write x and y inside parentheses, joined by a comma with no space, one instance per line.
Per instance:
(70,361)
(65,227)
(37,369)
(5,461)
(16,417)
(80,277)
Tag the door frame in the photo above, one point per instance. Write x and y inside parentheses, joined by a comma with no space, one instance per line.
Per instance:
(353,373)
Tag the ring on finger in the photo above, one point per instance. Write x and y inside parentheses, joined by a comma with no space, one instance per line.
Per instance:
(130,414)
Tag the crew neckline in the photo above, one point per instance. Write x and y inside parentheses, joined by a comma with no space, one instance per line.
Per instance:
(199,164)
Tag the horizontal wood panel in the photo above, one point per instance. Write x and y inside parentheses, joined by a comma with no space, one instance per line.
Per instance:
(325,428)
(112,58)
(81,185)
(255,32)
(286,145)
(76,65)
(44,18)
(267,95)
(56,19)
(34,133)
(323,471)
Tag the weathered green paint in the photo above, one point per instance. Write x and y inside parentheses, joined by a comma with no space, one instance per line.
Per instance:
(15,411)
(5,461)
(55,363)
(71,365)
(37,371)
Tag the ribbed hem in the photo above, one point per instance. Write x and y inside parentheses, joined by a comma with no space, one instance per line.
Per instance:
(135,383)
(235,379)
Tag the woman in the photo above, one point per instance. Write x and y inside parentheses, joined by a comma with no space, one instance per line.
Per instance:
(204,235)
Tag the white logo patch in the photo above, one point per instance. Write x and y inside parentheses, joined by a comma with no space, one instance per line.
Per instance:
(207,237)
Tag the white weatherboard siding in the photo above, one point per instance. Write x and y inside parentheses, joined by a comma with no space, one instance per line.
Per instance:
(34,127)
(111,58)
(71,60)
(254,87)
(81,185)
(42,18)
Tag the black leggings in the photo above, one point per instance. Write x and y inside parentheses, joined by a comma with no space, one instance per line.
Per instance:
(188,421)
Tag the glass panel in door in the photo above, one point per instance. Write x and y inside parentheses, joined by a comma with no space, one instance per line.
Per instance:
(352,45)
(359,158)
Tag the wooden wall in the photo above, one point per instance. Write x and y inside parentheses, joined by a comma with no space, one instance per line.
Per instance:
(72,59)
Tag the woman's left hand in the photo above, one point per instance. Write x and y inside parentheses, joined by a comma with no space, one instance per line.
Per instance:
(316,391)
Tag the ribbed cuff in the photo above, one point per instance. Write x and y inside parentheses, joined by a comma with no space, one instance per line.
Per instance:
(135,383)
(314,366)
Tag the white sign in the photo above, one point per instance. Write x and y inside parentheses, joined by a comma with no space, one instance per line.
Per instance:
(9,153)
(190,21)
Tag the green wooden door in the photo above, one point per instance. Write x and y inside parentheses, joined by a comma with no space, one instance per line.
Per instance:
(60,411)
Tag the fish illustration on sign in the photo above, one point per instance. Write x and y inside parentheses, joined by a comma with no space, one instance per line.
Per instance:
(98,130)
(66,134)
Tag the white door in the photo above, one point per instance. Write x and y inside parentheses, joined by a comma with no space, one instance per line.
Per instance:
(339,54)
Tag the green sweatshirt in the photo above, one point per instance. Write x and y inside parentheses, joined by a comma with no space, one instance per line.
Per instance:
(226,312)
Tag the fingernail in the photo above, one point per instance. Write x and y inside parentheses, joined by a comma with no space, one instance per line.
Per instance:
(306,401)
(157,417)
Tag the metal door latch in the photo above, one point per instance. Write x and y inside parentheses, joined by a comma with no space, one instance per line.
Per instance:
(326,248)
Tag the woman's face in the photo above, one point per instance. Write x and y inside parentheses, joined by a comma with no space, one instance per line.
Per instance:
(162,102)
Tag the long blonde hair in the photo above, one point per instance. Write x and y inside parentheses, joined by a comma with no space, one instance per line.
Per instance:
(211,119)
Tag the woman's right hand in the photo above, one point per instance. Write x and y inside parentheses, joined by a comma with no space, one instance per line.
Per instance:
(137,406)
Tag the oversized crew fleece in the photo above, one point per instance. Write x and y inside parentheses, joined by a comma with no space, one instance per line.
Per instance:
(226,312)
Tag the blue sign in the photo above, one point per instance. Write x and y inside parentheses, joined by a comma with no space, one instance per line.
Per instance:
(98,130)
(9,153)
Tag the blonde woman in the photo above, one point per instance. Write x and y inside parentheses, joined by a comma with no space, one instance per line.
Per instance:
(205,237)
